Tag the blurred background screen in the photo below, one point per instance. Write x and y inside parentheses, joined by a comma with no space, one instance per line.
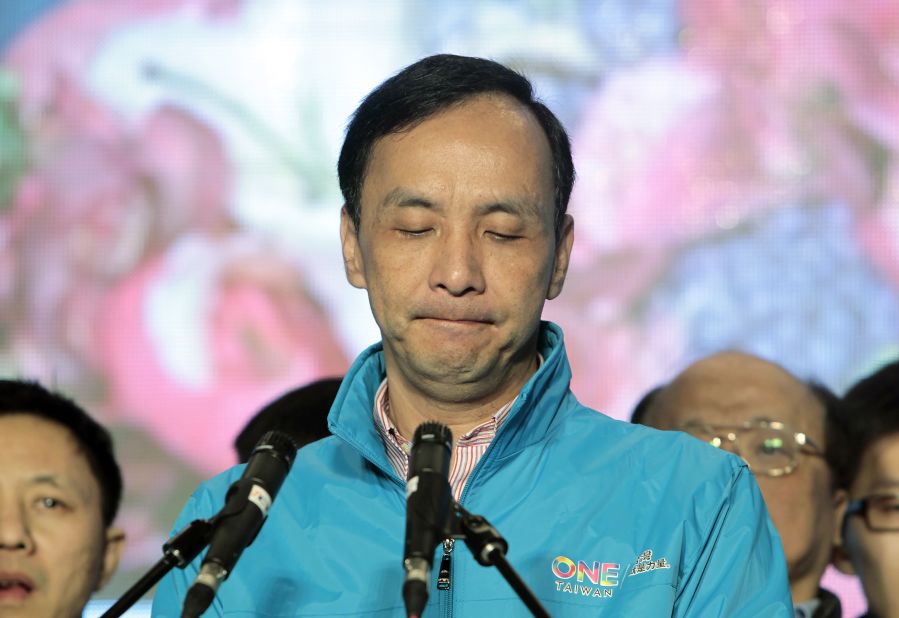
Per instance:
(169,207)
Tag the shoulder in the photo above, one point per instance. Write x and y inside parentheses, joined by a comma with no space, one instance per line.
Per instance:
(316,464)
(331,474)
(643,448)
(327,455)
(654,475)
(209,496)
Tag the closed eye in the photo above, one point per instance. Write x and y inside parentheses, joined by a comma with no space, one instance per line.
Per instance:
(503,237)
(413,233)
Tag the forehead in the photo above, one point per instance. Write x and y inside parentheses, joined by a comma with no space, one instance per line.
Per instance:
(485,140)
(31,445)
(879,468)
(725,394)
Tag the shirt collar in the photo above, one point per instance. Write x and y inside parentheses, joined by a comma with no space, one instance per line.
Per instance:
(390,434)
(806,609)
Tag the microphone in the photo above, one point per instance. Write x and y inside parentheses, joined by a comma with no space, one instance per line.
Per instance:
(237,524)
(428,499)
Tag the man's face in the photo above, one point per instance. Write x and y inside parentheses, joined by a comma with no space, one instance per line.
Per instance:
(457,248)
(875,555)
(54,549)
(731,388)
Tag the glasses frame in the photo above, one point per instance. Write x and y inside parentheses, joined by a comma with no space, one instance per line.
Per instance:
(804,444)
(861,506)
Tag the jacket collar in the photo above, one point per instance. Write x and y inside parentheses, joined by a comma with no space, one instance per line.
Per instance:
(529,420)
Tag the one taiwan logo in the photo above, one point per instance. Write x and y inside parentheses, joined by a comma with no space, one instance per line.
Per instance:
(645,563)
(592,579)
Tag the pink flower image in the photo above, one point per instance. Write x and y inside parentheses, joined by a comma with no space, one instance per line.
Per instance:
(661,162)
(110,203)
(169,246)
(198,339)
(877,231)
(828,70)
(97,200)
(613,357)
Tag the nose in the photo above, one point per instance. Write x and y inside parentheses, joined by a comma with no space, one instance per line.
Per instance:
(14,530)
(457,267)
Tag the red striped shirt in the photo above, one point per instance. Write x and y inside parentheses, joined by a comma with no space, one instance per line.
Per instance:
(468,449)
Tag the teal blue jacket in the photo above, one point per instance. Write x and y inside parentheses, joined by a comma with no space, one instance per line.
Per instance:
(603,518)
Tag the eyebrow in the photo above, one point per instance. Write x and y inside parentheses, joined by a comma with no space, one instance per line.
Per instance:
(517,208)
(403,198)
(885,484)
(794,426)
(765,419)
(47,479)
(55,481)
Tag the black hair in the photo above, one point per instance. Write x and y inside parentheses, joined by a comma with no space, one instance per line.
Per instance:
(30,398)
(870,412)
(638,416)
(432,85)
(302,413)
(832,407)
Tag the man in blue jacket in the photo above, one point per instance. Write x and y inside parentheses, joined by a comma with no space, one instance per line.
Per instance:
(456,182)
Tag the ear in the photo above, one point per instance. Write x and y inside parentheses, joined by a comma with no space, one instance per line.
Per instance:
(115,543)
(563,257)
(839,556)
(352,257)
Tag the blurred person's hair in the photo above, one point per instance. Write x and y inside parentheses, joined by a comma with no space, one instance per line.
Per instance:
(301,413)
(638,416)
(833,435)
(870,412)
(432,85)
(94,442)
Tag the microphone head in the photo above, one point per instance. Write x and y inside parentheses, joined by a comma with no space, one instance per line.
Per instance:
(280,444)
(432,431)
(431,447)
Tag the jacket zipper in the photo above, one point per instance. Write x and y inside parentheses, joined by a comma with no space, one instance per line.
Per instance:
(446,562)
(445,576)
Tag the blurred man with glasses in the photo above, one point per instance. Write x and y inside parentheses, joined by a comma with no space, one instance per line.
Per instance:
(782,428)
(869,475)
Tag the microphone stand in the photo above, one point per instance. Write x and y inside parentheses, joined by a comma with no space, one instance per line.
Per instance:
(489,549)
(483,540)
(179,551)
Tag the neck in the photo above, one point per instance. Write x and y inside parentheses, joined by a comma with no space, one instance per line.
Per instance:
(804,589)
(411,405)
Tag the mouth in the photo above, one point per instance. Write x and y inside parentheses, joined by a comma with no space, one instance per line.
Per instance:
(455,324)
(15,587)
(453,318)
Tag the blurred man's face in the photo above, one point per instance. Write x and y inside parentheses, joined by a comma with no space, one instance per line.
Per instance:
(875,554)
(54,548)
(457,248)
(731,389)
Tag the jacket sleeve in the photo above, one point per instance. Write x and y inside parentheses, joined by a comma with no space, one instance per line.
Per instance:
(739,568)
(169,597)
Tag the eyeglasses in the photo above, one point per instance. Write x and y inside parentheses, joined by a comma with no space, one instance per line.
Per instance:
(770,448)
(881,512)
